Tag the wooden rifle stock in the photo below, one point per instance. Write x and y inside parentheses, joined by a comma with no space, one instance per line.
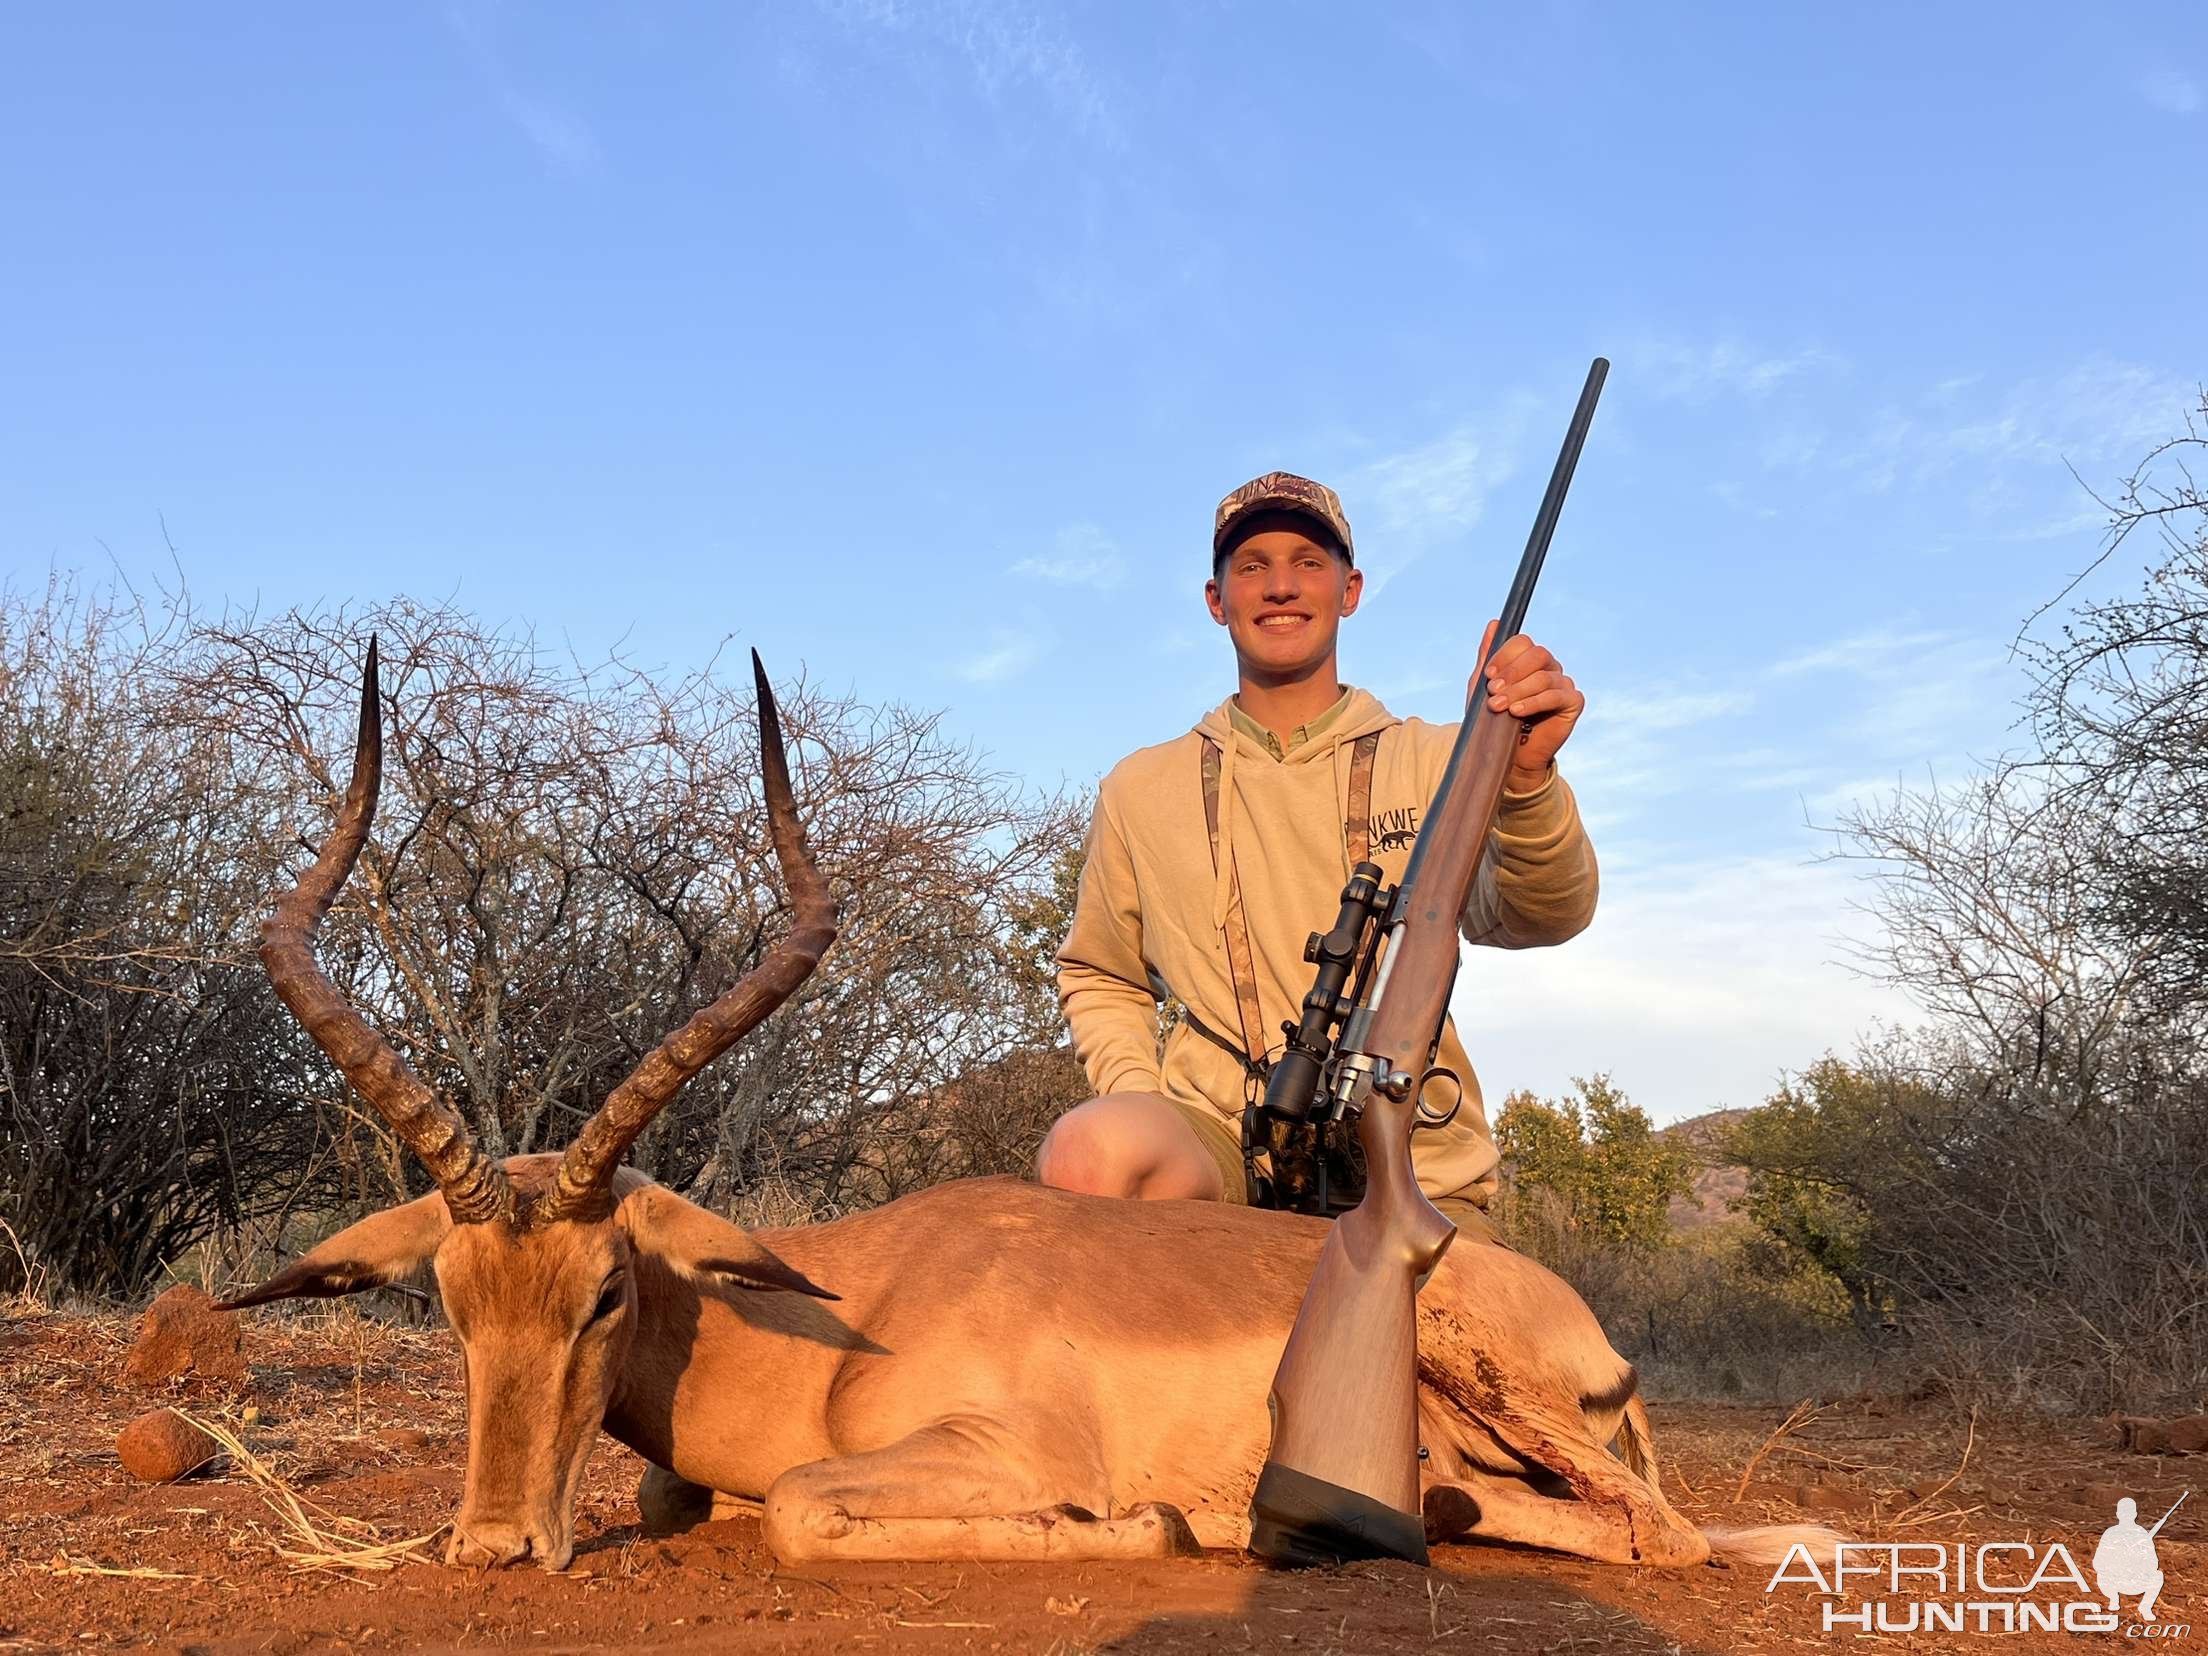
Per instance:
(1342,1478)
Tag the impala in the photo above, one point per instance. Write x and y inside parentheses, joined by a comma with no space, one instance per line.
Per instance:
(1001,1371)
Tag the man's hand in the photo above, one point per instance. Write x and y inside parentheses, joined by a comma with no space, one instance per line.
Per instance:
(1528,683)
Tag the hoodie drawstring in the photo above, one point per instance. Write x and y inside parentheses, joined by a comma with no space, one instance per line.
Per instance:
(1222,873)
(1350,758)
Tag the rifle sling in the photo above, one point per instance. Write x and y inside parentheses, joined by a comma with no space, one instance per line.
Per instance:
(1256,1070)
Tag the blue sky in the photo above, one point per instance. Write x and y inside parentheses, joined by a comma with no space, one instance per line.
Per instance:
(912,342)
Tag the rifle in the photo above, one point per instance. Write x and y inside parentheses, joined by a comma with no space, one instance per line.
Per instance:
(2167,1516)
(1341,1481)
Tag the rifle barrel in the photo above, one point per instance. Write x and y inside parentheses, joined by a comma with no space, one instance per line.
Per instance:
(1513,617)
(1521,594)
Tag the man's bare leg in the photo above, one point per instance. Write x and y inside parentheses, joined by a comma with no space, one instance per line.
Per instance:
(1128,1144)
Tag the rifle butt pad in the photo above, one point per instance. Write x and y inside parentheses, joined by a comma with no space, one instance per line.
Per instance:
(1298,1521)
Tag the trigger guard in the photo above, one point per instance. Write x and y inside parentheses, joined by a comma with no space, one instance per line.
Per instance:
(1421,1115)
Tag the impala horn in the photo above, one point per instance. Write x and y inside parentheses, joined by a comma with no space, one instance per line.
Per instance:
(582,1189)
(475,1188)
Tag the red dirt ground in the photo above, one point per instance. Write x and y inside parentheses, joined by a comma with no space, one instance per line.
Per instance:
(364,1420)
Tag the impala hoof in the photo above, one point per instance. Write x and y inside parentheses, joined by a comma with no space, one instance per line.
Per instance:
(497,1546)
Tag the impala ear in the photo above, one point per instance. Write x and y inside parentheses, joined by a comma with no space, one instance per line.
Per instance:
(707,1248)
(757,1268)
(380,1249)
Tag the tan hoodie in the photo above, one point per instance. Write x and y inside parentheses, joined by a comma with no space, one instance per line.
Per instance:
(1150,915)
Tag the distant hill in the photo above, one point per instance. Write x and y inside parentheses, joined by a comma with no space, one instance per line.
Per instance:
(1717,1184)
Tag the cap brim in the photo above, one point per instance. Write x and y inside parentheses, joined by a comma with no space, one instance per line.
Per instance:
(1294,506)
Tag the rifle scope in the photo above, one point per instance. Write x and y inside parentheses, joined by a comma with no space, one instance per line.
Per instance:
(1292,1090)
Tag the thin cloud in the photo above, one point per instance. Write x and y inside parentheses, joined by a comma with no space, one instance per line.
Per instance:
(1009,653)
(1636,746)
(2099,408)
(1081,554)
(1651,710)
(1005,48)
(1175,642)
(1908,685)
(1735,495)
(562,139)
(1696,373)
(1101,573)
(1792,778)
(2099,411)
(2167,89)
(1444,484)
(1862,652)
(1792,450)
(1829,801)
(1910,710)
(1435,491)
(566,144)
(2092,520)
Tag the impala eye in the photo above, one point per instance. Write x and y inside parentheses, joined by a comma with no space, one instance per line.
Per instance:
(609,1300)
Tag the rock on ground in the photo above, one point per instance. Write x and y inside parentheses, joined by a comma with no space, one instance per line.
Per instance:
(161,1446)
(183,1336)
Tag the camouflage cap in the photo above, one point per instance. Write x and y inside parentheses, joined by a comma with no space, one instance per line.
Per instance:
(1282,492)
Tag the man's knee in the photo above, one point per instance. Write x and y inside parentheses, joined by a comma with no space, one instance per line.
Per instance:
(1125,1144)
(1084,1152)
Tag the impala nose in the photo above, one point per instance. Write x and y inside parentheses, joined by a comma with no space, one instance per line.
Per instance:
(494,1545)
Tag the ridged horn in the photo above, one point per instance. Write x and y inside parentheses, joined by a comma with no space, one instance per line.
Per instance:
(475,1188)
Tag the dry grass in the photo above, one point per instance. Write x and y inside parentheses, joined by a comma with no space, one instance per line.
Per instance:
(1917,1511)
(776,1201)
(1796,1418)
(319,1546)
(64,1565)
(30,1297)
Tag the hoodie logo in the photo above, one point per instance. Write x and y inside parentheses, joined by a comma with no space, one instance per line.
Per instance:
(1395,830)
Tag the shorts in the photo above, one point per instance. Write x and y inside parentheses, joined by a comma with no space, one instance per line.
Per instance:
(1223,1143)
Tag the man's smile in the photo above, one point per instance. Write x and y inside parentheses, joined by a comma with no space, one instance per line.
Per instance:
(1283,620)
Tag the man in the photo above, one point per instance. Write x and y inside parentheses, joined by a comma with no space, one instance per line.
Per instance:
(1212,857)
(2125,1561)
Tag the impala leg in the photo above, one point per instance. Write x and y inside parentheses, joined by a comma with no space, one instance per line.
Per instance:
(940,1494)
(1610,1518)
(670,1504)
